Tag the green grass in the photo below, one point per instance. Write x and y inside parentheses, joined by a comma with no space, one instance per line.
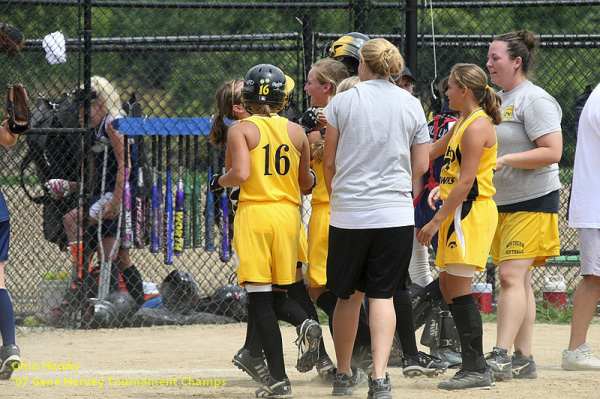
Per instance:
(323,318)
(14,181)
(489,318)
(550,315)
(553,315)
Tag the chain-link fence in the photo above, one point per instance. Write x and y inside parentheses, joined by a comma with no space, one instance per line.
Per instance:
(162,62)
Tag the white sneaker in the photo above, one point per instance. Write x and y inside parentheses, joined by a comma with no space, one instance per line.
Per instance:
(582,358)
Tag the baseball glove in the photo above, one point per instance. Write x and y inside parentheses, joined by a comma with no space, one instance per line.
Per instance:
(11,39)
(17,109)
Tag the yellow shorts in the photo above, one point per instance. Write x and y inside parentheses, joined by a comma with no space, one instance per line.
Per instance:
(266,242)
(318,244)
(525,235)
(465,236)
(302,245)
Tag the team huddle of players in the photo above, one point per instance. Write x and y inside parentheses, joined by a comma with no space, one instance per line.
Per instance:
(361,150)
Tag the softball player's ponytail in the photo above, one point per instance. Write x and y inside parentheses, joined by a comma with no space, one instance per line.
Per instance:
(491,103)
(473,77)
(227,96)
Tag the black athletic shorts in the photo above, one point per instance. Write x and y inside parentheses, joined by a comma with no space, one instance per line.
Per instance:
(373,261)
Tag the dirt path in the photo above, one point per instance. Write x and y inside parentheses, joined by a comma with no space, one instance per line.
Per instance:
(202,355)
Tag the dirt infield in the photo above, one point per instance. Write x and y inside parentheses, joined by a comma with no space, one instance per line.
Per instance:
(194,359)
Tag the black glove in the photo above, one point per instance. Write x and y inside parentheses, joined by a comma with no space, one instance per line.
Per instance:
(309,119)
(214,185)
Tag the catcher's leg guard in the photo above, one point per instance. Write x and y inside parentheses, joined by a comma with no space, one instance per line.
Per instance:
(470,329)
(432,331)
(423,300)
(448,332)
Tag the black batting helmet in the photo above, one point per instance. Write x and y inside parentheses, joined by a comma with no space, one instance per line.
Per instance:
(231,300)
(125,305)
(102,314)
(265,84)
(346,49)
(180,291)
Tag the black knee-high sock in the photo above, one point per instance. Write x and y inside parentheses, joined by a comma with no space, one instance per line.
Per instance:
(7,318)
(327,302)
(404,323)
(249,329)
(298,293)
(287,309)
(133,281)
(252,339)
(115,285)
(261,304)
(470,330)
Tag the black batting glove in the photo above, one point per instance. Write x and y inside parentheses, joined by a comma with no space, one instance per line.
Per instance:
(309,119)
(214,185)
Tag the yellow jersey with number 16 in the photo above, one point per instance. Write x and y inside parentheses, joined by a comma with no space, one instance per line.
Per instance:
(274,164)
(482,187)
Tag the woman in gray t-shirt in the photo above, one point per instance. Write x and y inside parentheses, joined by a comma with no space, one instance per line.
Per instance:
(376,143)
(527,184)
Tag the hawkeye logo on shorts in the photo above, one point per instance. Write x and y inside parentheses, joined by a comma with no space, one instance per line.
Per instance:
(452,244)
(515,251)
(508,113)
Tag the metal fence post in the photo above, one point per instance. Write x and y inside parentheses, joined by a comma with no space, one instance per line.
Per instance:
(360,16)
(87,177)
(411,35)
(307,51)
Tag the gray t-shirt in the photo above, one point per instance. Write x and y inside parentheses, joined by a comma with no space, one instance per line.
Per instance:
(378,124)
(529,113)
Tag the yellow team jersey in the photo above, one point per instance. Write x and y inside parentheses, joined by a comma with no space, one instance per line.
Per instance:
(319,193)
(482,186)
(274,164)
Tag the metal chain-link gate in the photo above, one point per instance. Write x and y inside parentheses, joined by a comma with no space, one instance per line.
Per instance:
(161,63)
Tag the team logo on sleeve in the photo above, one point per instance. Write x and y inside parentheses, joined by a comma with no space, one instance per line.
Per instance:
(449,157)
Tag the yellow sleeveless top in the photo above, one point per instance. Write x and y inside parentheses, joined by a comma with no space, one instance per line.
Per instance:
(274,164)
(482,186)
(319,193)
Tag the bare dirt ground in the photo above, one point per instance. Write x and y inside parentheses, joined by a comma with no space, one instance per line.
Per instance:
(194,359)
